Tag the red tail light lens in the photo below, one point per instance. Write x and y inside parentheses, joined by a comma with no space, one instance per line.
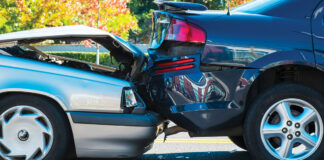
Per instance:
(165,64)
(175,68)
(185,32)
(171,66)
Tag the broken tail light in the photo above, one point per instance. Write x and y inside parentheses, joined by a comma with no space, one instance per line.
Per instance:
(129,98)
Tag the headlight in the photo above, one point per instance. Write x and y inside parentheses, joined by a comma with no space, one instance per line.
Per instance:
(129,98)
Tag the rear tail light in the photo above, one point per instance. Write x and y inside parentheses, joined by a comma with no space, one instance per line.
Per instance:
(132,102)
(175,69)
(175,65)
(183,31)
(166,64)
(129,98)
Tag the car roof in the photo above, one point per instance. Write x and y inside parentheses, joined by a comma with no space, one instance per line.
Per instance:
(54,32)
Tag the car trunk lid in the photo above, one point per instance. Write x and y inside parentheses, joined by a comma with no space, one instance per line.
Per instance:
(79,32)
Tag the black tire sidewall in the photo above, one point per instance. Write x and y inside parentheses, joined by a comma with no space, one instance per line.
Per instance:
(239,141)
(262,104)
(61,138)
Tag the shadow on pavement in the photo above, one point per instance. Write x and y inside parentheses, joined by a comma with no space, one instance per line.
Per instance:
(242,155)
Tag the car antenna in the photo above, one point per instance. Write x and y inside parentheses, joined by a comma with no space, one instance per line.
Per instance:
(228,7)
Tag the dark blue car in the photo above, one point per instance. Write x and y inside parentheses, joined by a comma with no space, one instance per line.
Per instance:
(254,73)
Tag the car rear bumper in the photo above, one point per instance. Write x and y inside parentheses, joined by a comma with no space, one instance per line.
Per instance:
(105,135)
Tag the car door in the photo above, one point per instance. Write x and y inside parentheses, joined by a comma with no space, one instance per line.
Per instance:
(318,34)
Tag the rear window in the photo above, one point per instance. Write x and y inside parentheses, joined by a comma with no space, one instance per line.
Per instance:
(83,50)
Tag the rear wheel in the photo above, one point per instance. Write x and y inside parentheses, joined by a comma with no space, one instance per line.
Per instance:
(286,122)
(32,128)
(238,140)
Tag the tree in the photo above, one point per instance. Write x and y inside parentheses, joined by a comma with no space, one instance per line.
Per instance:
(113,16)
(143,10)
(234,3)
(16,15)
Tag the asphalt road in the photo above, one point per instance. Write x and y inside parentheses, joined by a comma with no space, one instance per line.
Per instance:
(182,147)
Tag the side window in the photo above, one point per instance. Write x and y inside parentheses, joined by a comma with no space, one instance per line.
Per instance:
(318,33)
(82,50)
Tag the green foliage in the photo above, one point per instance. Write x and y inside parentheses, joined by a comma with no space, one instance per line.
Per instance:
(110,15)
(126,18)
(141,6)
(105,58)
(113,15)
(143,10)
(16,15)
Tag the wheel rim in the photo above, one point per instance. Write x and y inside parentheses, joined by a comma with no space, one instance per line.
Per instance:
(26,133)
(291,129)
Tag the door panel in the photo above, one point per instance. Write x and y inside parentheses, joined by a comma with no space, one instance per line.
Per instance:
(318,34)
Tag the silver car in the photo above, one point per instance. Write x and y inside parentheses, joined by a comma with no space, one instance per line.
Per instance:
(55,107)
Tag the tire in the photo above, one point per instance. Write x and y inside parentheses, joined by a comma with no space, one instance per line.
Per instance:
(31,121)
(239,141)
(268,128)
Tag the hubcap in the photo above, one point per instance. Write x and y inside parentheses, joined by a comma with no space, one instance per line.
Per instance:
(25,133)
(291,129)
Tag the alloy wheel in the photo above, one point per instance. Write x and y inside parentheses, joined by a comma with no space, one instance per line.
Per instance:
(291,129)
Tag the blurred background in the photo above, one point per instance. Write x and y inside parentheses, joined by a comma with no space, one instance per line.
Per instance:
(129,19)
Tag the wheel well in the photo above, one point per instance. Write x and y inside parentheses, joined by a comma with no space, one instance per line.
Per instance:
(51,100)
(304,75)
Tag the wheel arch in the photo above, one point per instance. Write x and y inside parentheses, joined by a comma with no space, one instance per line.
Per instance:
(52,99)
(290,73)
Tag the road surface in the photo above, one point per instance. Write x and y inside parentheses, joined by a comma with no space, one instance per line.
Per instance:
(182,147)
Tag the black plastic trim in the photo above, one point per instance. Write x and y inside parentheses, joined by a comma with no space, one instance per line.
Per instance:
(149,119)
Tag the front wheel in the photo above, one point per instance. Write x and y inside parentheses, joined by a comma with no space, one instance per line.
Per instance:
(286,122)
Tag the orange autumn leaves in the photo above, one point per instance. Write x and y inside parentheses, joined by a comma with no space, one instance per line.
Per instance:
(18,15)
(234,3)
(114,15)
